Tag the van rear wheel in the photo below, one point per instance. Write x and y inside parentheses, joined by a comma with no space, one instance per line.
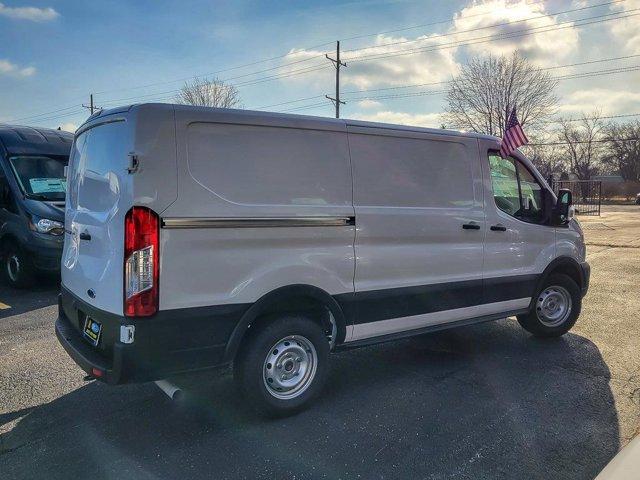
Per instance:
(283,365)
(16,268)
(556,307)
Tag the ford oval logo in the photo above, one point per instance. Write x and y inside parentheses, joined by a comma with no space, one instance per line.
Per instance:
(91,293)
(95,328)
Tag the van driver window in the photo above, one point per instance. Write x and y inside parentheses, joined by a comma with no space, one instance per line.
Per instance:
(515,189)
(530,194)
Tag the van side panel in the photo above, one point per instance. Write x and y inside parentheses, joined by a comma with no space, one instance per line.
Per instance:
(156,179)
(242,170)
(413,192)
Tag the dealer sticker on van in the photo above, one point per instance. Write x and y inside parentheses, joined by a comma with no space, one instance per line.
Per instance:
(92,330)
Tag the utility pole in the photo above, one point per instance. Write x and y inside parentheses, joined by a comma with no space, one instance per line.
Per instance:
(336,63)
(91,106)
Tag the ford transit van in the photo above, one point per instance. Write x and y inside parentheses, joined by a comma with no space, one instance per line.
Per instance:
(32,196)
(197,237)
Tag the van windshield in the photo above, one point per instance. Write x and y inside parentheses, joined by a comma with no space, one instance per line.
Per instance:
(41,178)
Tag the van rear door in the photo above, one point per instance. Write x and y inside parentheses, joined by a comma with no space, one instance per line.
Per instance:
(99,195)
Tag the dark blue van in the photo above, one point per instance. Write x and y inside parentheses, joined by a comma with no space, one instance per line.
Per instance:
(32,199)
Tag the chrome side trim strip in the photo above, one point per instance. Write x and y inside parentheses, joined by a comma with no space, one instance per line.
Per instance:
(258,222)
(403,324)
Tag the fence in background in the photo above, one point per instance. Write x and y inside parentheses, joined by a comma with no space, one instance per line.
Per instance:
(587,194)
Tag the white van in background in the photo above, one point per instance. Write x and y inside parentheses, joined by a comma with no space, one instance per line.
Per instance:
(197,237)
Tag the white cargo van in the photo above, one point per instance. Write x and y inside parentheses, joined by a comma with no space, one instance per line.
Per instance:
(197,237)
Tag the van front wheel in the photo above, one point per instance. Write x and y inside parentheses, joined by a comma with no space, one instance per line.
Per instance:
(555,308)
(283,365)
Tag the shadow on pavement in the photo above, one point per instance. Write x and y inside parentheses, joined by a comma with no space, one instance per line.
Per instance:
(42,294)
(482,402)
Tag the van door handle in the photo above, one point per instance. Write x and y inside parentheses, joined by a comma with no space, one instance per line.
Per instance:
(471,226)
(85,236)
(498,228)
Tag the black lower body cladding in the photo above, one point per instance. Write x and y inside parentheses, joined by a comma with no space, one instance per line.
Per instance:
(165,344)
(184,340)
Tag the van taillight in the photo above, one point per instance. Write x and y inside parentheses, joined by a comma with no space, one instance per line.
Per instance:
(141,262)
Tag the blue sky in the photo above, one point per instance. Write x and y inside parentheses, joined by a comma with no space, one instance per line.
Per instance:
(54,53)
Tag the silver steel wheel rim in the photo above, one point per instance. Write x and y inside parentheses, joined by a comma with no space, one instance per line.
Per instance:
(13,267)
(290,367)
(553,306)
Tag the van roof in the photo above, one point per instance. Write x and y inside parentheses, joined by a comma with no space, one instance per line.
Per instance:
(34,140)
(322,122)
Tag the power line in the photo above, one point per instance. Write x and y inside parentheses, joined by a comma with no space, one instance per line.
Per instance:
(590,62)
(564,77)
(43,114)
(257,62)
(441,35)
(598,73)
(431,24)
(57,116)
(388,54)
(401,95)
(306,107)
(630,139)
(299,71)
(608,117)
(314,68)
(289,102)
(593,73)
(596,19)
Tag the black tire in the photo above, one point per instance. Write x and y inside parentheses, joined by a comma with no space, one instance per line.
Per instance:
(252,369)
(535,321)
(17,269)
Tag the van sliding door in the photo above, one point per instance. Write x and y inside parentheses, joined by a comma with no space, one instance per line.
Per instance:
(420,230)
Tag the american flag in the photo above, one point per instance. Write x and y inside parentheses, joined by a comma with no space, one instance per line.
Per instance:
(513,137)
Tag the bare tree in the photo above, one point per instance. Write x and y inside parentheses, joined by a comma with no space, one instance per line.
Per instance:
(481,98)
(623,149)
(209,93)
(547,157)
(583,144)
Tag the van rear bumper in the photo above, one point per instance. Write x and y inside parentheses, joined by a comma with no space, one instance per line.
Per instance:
(81,353)
(167,344)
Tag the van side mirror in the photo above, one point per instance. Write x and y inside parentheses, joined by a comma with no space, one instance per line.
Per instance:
(562,212)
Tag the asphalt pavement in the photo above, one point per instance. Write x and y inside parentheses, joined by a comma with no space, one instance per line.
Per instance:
(487,401)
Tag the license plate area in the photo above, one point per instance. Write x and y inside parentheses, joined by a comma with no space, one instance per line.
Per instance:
(92,330)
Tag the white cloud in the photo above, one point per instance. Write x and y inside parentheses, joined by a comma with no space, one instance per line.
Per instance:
(626,30)
(367,103)
(34,14)
(422,67)
(13,70)
(69,127)
(543,47)
(432,58)
(608,101)
(402,118)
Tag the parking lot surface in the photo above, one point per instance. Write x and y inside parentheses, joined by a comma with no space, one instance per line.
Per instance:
(488,401)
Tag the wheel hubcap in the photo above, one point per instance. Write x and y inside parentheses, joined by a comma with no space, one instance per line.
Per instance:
(290,367)
(553,306)
(13,267)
